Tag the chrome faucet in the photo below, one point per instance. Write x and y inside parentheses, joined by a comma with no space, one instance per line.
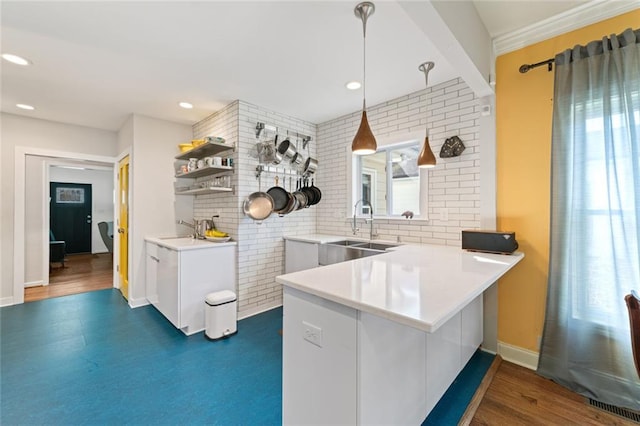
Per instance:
(354,227)
(190,225)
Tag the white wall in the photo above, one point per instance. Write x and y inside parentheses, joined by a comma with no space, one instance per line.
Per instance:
(448,109)
(154,206)
(34,254)
(19,131)
(101,182)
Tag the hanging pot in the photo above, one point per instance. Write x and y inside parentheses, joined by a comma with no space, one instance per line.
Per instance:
(297,159)
(287,150)
(310,166)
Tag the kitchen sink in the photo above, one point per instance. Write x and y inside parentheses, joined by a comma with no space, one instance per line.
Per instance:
(377,246)
(341,251)
(347,243)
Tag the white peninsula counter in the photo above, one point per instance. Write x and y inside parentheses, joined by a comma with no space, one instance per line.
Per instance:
(378,340)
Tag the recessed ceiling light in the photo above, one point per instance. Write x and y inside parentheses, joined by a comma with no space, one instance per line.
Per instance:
(185,105)
(25,106)
(15,59)
(353,85)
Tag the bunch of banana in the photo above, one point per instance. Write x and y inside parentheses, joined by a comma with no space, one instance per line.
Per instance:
(215,233)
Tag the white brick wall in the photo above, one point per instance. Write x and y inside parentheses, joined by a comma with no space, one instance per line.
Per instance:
(260,246)
(448,109)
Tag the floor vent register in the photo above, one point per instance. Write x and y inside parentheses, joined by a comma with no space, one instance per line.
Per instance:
(618,411)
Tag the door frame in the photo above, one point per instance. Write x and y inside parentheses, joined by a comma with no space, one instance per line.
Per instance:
(46,210)
(21,153)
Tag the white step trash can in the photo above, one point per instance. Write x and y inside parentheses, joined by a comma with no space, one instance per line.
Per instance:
(220,315)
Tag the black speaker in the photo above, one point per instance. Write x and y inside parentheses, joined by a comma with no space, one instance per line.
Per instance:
(489,241)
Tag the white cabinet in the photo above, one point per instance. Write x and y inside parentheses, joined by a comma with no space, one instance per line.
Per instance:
(299,256)
(319,378)
(179,280)
(344,366)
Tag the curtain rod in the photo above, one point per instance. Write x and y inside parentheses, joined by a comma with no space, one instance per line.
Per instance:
(526,67)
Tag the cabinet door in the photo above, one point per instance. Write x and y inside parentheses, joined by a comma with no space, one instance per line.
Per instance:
(168,285)
(319,380)
(300,256)
(151,263)
(202,272)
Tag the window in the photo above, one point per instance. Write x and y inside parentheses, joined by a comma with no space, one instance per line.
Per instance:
(390,181)
(603,213)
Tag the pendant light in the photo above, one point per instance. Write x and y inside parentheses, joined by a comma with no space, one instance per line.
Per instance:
(364,142)
(426,159)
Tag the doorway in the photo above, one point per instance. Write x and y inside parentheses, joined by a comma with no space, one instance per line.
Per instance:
(32,219)
(70,215)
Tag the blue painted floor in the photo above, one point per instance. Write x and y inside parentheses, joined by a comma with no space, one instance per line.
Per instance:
(90,359)
(452,405)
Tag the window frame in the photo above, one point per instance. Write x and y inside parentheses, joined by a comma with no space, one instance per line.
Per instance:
(386,142)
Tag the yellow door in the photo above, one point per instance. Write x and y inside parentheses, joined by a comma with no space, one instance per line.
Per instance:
(123,225)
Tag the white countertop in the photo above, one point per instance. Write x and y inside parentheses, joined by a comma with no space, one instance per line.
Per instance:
(421,286)
(187,243)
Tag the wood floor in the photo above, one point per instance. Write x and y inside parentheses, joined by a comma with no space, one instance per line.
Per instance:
(518,396)
(82,273)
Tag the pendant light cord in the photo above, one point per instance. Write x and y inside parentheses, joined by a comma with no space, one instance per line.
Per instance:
(364,66)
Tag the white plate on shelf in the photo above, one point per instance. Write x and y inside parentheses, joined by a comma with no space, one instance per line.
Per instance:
(218,239)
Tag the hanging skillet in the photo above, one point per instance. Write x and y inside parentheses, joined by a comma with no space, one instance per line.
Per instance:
(258,206)
(280,197)
(293,201)
(311,195)
(301,197)
(317,192)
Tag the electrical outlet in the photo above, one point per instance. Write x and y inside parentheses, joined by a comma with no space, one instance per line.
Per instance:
(312,333)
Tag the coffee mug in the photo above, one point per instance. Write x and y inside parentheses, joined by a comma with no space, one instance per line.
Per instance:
(217,161)
(200,164)
(208,161)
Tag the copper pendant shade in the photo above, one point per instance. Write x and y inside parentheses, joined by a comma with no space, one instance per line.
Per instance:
(364,142)
(426,159)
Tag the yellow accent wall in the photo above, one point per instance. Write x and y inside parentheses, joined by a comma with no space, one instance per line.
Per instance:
(524,104)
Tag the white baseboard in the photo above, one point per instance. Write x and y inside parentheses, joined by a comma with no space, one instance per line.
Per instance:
(136,303)
(34,284)
(517,355)
(258,310)
(6,301)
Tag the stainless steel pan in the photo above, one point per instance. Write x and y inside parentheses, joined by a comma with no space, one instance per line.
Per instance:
(258,206)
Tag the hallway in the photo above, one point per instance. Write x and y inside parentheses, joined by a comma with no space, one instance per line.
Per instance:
(82,273)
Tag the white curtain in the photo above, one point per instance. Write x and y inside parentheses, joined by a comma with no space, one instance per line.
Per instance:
(595,220)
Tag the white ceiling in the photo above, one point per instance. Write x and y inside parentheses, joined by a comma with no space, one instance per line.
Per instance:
(94,63)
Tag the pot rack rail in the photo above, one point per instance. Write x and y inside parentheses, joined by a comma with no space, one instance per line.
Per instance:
(260,127)
(277,171)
